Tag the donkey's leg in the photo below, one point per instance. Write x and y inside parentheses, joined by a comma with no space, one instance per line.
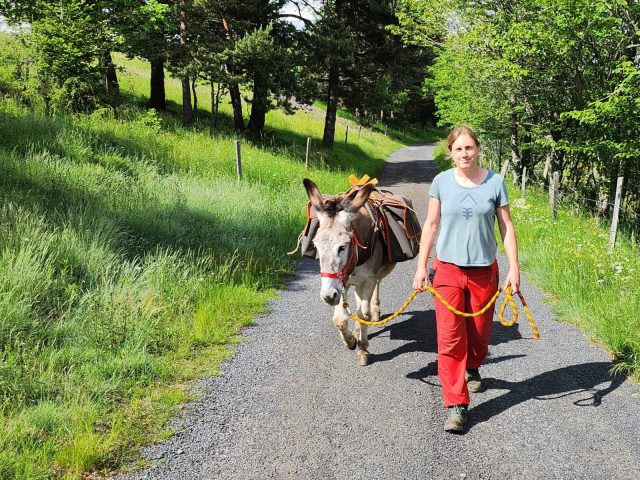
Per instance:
(357,327)
(375,303)
(364,292)
(341,321)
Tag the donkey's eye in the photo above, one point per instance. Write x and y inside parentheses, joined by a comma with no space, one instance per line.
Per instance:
(341,248)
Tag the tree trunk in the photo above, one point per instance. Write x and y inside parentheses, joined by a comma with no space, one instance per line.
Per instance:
(195,95)
(516,160)
(216,93)
(236,104)
(110,75)
(214,105)
(332,107)
(157,98)
(258,104)
(333,86)
(557,159)
(187,110)
(234,88)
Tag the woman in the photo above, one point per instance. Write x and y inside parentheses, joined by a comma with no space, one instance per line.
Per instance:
(463,204)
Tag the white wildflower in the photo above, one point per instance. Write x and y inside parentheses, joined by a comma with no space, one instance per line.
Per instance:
(520,203)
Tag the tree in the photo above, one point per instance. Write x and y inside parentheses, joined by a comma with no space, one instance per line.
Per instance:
(144,30)
(557,79)
(359,62)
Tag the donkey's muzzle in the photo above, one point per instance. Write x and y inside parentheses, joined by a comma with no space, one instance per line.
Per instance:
(331,297)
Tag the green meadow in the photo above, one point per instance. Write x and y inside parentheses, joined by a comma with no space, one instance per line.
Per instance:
(130,258)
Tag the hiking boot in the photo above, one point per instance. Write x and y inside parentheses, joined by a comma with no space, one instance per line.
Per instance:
(474,381)
(456,418)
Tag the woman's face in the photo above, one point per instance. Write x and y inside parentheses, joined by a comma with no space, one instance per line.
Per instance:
(464,152)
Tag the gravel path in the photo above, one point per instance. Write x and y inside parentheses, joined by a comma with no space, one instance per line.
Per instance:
(293,404)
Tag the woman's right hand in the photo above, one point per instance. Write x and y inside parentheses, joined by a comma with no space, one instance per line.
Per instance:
(420,278)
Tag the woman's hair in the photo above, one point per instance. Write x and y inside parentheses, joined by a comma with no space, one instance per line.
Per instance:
(461,130)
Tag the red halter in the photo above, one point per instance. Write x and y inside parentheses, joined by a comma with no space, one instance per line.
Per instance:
(344,274)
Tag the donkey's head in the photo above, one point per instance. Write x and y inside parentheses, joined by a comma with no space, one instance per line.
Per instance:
(334,239)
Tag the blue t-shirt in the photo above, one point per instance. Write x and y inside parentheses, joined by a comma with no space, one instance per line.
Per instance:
(467,236)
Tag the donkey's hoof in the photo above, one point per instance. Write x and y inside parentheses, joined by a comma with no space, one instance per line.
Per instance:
(363,358)
(351,343)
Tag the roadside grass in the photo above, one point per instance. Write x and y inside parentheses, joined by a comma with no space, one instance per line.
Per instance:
(441,156)
(130,257)
(591,287)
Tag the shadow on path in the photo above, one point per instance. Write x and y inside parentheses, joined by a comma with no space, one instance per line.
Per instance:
(419,330)
(555,384)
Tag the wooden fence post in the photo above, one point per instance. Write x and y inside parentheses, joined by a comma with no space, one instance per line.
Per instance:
(306,159)
(238,160)
(524,181)
(616,213)
(359,130)
(553,192)
(346,135)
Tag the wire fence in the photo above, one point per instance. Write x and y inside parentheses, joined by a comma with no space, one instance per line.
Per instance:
(616,215)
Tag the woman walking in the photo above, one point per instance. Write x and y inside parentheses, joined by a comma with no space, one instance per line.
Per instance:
(464,203)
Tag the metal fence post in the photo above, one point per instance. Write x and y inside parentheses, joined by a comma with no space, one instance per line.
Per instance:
(306,159)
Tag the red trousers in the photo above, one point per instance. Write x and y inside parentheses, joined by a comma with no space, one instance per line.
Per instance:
(463,342)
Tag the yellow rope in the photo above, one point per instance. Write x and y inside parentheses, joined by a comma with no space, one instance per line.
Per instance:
(508,300)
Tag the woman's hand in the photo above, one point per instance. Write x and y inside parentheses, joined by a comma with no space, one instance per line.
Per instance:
(420,278)
(513,279)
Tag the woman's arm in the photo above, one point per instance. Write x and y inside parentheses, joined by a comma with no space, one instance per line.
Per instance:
(427,239)
(508,233)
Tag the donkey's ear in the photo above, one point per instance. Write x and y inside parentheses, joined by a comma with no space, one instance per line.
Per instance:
(355,200)
(314,194)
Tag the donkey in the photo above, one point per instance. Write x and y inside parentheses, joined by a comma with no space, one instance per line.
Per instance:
(351,253)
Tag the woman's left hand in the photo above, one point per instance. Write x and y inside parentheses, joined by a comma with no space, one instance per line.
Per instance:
(513,279)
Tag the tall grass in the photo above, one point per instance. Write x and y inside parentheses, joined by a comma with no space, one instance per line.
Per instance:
(130,257)
(591,287)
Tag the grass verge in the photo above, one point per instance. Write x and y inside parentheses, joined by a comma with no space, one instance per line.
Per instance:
(591,287)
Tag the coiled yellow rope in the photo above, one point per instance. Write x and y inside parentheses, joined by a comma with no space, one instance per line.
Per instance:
(508,300)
